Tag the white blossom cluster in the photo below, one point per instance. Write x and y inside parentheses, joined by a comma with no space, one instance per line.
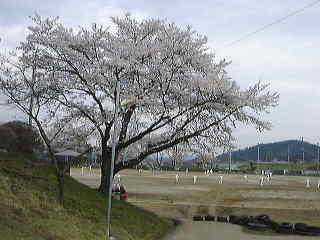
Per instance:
(171,87)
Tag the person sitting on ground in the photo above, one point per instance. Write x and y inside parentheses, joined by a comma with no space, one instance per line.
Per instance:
(116,188)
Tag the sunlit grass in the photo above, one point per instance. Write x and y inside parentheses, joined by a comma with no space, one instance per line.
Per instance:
(285,200)
(29,209)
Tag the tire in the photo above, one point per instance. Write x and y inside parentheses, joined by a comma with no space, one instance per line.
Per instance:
(222,219)
(304,229)
(198,218)
(234,219)
(257,226)
(263,218)
(272,224)
(300,227)
(210,218)
(285,228)
(305,233)
(243,220)
(314,229)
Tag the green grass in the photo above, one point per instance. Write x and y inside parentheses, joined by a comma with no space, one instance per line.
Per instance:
(29,210)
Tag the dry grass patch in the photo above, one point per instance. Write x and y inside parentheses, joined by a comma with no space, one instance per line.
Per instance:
(29,209)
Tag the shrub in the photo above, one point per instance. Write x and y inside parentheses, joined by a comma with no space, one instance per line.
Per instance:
(17,136)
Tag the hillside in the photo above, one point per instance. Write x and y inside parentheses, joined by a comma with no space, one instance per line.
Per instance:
(277,151)
(29,210)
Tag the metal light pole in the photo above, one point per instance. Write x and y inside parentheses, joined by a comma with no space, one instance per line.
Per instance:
(113,157)
(318,157)
(258,156)
(302,154)
(230,161)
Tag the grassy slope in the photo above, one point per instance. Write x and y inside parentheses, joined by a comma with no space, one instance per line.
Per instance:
(29,210)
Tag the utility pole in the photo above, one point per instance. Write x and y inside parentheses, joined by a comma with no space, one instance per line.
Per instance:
(113,157)
(230,161)
(258,156)
(318,157)
(302,153)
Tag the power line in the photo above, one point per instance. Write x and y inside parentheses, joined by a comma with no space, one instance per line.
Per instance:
(271,24)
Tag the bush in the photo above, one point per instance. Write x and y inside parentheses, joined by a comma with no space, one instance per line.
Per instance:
(17,136)
(8,138)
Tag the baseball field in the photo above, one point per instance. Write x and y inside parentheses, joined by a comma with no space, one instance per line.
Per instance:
(284,199)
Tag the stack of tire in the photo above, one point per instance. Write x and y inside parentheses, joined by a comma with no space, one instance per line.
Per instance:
(204,218)
(262,223)
(285,228)
(198,218)
(223,219)
(304,229)
(211,218)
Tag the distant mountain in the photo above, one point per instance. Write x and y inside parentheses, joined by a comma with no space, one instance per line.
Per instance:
(277,151)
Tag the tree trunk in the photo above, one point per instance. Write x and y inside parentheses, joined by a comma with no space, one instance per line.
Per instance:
(60,178)
(103,179)
(105,169)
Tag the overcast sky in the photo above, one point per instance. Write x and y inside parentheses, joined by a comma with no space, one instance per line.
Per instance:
(286,55)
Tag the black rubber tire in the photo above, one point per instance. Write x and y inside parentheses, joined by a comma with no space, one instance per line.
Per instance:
(243,220)
(272,224)
(263,218)
(257,226)
(306,233)
(209,218)
(285,228)
(198,218)
(234,219)
(300,227)
(222,219)
(314,229)
(304,229)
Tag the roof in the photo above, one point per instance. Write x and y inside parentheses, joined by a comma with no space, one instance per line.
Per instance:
(68,153)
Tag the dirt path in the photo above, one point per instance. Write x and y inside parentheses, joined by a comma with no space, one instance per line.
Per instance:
(285,200)
(223,231)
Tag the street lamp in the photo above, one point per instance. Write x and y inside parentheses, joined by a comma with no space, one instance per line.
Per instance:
(230,160)
(318,157)
(113,157)
(302,153)
(258,165)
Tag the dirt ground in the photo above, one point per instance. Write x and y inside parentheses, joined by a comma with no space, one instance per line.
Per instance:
(285,198)
(223,231)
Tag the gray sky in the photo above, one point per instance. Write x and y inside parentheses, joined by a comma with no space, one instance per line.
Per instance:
(286,55)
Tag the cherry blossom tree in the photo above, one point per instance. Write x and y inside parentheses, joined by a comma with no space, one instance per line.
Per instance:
(172,89)
(25,85)
(177,154)
(22,82)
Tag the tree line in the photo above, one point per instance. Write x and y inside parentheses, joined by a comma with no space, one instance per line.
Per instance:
(276,151)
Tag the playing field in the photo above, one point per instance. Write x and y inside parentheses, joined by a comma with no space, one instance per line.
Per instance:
(285,198)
